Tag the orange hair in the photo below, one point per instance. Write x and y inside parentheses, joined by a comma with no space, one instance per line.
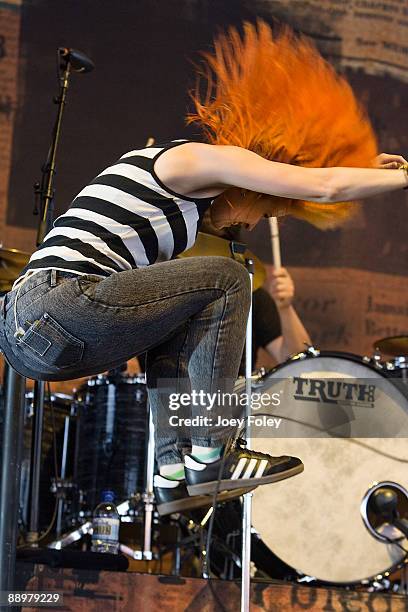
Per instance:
(276,96)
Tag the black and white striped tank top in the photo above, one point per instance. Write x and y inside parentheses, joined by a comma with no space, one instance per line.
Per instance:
(124,218)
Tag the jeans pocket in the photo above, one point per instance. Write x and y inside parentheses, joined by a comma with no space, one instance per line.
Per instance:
(48,342)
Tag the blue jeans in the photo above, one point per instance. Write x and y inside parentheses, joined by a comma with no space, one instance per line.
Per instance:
(188,314)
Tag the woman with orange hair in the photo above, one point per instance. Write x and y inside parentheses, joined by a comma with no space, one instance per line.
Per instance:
(275,96)
(284,135)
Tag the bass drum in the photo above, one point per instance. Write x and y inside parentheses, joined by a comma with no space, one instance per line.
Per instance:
(348,422)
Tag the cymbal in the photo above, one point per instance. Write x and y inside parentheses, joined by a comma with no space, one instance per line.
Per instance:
(397,346)
(207,244)
(12,262)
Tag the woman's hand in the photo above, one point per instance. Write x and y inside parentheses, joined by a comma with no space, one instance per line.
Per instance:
(280,286)
(385,160)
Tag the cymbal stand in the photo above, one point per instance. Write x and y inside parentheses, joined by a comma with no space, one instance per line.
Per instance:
(148,497)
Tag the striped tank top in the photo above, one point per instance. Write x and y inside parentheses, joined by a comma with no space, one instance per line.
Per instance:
(124,218)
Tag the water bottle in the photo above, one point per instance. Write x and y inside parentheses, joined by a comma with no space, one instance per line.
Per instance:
(105,525)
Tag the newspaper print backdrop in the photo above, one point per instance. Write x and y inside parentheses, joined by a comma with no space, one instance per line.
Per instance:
(9,58)
(367,34)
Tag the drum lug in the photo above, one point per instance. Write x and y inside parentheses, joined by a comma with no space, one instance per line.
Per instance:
(374,360)
(312,351)
(258,376)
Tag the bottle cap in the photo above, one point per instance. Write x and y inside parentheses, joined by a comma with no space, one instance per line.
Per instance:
(108,496)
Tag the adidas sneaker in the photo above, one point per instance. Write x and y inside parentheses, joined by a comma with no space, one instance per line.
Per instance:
(242,468)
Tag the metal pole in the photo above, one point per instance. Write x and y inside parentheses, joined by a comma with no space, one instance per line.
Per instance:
(46,192)
(10,474)
(36,445)
(247,505)
(61,485)
(149,495)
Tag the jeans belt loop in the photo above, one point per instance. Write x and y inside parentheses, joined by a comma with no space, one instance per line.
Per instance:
(53,278)
(3,306)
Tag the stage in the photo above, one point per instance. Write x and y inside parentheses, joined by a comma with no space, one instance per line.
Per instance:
(97,591)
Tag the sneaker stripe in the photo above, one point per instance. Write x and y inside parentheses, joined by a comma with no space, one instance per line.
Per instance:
(192,464)
(250,468)
(239,468)
(261,468)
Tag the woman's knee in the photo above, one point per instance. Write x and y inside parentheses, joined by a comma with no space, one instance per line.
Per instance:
(230,269)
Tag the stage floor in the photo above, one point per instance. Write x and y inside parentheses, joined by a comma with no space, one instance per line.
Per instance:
(97,591)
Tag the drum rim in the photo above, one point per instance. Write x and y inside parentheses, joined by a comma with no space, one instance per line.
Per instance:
(104,379)
(339,354)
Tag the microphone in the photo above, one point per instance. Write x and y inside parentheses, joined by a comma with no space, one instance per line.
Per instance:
(78,60)
(385,504)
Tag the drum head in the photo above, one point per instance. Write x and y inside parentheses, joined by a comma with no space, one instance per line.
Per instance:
(313,521)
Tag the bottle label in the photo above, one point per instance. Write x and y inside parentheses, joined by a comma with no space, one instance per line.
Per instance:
(106,529)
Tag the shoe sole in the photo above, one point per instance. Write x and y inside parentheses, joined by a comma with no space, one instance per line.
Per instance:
(206,488)
(198,501)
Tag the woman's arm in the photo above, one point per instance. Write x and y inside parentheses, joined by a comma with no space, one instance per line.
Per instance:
(294,337)
(194,167)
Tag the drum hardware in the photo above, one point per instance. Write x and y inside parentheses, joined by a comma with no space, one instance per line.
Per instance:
(258,376)
(397,347)
(393,345)
(113,408)
(56,413)
(398,367)
(375,360)
(63,490)
(400,362)
(381,508)
(310,351)
(111,438)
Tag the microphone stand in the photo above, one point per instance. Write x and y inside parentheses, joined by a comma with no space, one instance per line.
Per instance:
(46,191)
(45,194)
(11,451)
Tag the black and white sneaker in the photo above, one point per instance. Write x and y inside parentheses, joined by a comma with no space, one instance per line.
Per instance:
(242,468)
(172,496)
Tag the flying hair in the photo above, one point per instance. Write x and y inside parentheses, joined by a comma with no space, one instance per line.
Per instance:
(275,95)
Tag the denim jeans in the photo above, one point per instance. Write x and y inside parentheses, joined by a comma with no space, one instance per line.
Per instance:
(188,314)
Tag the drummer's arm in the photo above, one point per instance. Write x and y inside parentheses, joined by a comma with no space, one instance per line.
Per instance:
(294,337)
(198,166)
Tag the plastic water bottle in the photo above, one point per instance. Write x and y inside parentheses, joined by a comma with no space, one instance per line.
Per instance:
(105,525)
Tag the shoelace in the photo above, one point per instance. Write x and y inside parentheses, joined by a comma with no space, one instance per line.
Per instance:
(241,443)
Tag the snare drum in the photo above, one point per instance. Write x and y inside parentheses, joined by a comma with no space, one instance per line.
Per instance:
(348,422)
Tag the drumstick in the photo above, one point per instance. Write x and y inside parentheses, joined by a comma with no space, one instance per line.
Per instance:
(274,232)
